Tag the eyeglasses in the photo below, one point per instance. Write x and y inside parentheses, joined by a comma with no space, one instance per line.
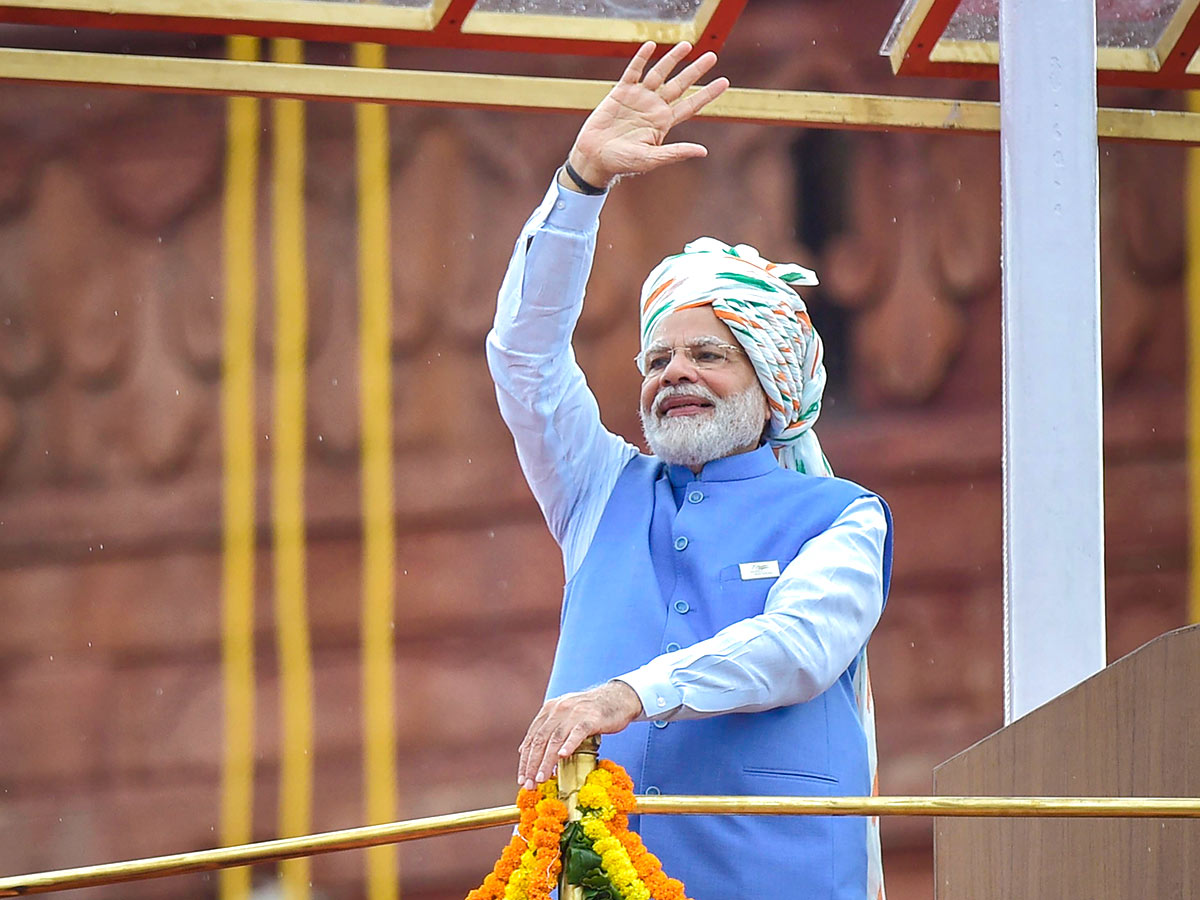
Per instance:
(703,354)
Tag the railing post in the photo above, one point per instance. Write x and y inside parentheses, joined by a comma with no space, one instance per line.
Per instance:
(572,773)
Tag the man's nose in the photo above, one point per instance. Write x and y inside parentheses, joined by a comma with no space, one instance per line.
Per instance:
(679,369)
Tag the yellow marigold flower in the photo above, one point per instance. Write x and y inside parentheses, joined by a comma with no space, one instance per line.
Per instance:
(515,889)
(615,860)
(607,845)
(593,828)
(593,796)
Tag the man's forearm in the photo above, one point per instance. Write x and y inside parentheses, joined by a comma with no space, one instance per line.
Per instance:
(817,618)
(567,456)
(542,293)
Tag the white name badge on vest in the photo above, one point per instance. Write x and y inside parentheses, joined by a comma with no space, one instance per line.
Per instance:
(752,570)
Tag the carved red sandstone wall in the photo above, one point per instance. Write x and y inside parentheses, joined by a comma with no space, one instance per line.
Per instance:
(110,456)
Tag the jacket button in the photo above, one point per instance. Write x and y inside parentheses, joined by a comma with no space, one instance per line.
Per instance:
(682,606)
(681,542)
(672,647)
(695,496)
(653,790)
(659,723)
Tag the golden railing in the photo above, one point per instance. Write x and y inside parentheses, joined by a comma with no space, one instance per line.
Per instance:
(489,91)
(414,829)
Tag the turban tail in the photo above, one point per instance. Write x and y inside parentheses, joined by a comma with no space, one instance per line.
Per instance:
(758,302)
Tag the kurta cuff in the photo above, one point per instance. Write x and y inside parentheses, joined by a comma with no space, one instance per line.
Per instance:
(573,211)
(660,699)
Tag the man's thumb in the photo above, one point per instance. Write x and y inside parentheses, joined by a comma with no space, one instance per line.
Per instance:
(671,153)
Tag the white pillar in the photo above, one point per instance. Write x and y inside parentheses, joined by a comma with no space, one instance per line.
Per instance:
(1053,454)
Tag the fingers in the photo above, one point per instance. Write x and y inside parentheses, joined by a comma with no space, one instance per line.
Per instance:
(670,153)
(554,740)
(560,727)
(574,738)
(637,65)
(547,735)
(693,103)
(663,68)
(677,86)
(530,746)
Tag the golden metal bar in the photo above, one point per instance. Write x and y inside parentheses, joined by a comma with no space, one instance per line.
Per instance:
(251,854)
(1165,45)
(987,53)
(591,28)
(578,28)
(1000,807)
(806,108)
(908,31)
(293,12)
(413,829)
(572,775)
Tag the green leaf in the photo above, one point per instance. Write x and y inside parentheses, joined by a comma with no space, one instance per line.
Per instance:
(579,864)
(583,866)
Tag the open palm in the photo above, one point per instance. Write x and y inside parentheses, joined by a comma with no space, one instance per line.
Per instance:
(625,134)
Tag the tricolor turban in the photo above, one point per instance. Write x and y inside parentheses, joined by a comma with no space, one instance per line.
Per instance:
(758,301)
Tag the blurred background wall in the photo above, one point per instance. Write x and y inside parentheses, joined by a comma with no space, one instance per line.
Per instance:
(111,287)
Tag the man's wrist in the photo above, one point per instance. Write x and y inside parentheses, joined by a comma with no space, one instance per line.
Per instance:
(587,170)
(580,183)
(628,699)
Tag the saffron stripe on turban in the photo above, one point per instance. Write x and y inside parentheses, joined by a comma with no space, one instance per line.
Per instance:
(758,301)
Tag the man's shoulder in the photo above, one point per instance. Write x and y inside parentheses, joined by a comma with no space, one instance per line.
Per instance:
(803,482)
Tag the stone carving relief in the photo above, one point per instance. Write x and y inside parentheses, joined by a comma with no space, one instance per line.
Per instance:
(150,166)
(1141,247)
(924,238)
(111,283)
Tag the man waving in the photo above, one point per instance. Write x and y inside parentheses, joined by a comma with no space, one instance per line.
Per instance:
(720,591)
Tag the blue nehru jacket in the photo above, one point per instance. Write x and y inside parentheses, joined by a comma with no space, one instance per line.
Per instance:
(658,577)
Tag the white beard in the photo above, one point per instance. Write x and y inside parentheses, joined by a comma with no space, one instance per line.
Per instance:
(736,422)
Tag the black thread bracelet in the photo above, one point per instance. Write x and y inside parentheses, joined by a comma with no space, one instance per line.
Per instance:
(585,186)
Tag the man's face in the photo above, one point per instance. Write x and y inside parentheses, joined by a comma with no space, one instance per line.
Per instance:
(695,413)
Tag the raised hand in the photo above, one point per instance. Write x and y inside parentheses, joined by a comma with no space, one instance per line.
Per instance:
(624,135)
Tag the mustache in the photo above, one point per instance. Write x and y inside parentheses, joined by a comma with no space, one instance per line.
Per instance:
(680,390)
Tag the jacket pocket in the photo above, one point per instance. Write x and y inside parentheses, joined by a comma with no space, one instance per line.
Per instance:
(794,774)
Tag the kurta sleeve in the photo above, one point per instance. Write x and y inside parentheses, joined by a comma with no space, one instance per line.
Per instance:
(570,460)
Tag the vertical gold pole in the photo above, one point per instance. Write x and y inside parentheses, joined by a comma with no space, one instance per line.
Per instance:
(238,532)
(572,773)
(1192,293)
(287,479)
(375,330)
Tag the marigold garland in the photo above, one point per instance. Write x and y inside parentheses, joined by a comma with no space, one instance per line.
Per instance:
(529,866)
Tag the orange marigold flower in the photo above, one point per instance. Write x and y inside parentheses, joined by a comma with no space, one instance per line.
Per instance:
(527,799)
(620,777)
